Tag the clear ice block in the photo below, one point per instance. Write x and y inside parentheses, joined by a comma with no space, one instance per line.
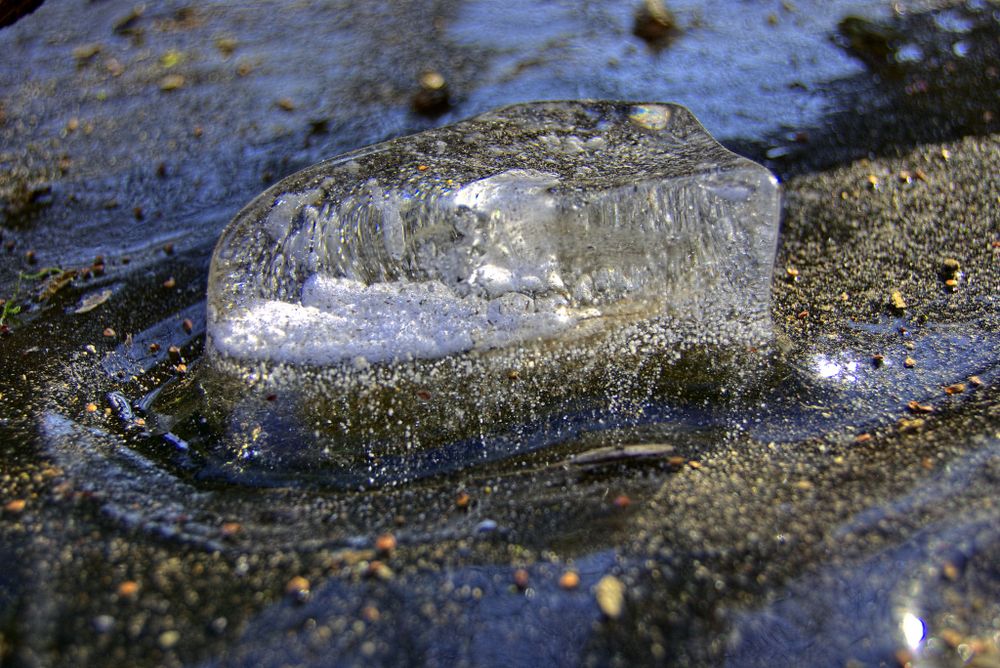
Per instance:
(535,221)
(481,289)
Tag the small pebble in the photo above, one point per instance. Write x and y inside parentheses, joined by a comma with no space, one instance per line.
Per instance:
(432,99)
(862,438)
(226,45)
(916,407)
(16,506)
(654,23)
(109,333)
(622,501)
(569,580)
(171,82)
(171,58)
(297,588)
(610,594)
(379,571)
(168,639)
(231,528)
(385,544)
(170,283)
(956,388)
(521,579)
(187,325)
(898,302)
(85,52)
(103,623)
(952,637)
(370,613)
(486,526)
(463,500)
(909,362)
(128,589)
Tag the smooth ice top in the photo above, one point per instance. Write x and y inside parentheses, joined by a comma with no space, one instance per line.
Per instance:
(513,226)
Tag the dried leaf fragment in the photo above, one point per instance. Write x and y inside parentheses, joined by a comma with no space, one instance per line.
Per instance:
(607,455)
(57,283)
(93,300)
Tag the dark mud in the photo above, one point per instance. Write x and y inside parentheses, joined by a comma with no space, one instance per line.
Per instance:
(817,515)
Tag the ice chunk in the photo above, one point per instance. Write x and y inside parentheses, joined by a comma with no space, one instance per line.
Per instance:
(461,294)
(523,224)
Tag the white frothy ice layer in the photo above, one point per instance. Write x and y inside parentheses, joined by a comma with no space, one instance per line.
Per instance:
(341,319)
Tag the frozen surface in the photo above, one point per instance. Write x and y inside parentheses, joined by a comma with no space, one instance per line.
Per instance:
(516,226)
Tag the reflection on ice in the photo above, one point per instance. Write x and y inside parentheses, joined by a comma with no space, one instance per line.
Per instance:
(828,368)
(913,630)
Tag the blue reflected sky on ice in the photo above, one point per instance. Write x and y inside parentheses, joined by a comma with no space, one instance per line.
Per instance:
(745,69)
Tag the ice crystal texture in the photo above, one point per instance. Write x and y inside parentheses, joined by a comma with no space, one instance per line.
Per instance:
(532,223)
